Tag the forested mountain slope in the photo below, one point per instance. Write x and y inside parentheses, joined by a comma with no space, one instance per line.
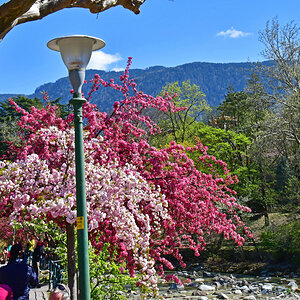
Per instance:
(213,79)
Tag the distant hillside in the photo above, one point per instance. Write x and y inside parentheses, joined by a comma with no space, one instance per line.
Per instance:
(213,79)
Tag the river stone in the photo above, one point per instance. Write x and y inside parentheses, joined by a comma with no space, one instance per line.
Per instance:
(199,293)
(254,289)
(198,268)
(280,288)
(175,286)
(208,274)
(244,288)
(199,279)
(217,284)
(237,292)
(293,285)
(203,298)
(191,284)
(226,278)
(245,282)
(222,296)
(268,287)
(281,295)
(251,297)
(205,287)
(239,282)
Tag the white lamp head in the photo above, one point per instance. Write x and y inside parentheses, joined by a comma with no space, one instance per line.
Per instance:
(76,51)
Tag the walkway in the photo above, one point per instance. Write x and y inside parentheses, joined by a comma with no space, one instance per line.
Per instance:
(39,293)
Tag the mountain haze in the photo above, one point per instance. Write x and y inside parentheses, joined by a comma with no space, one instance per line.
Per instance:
(213,79)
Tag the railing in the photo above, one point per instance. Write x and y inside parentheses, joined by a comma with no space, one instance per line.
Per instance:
(52,267)
(55,273)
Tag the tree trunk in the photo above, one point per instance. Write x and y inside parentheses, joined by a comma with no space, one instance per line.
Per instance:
(266,215)
(71,260)
(219,243)
(264,195)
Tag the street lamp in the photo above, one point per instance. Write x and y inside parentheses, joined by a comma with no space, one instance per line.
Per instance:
(76,52)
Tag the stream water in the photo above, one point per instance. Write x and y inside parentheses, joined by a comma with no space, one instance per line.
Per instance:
(206,285)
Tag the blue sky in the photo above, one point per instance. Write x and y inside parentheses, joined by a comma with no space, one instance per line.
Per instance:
(167,33)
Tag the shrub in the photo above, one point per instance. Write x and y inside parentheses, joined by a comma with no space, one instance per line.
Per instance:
(283,242)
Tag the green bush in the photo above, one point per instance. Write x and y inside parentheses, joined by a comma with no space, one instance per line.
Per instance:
(283,242)
(107,281)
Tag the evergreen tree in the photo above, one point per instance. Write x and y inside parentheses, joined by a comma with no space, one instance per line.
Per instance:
(9,117)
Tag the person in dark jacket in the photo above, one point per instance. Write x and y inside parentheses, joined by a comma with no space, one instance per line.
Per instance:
(36,257)
(18,275)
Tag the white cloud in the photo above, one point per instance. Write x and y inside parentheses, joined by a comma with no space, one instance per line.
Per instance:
(101,60)
(118,69)
(232,33)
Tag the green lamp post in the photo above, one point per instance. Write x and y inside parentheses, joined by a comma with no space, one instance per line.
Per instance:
(76,52)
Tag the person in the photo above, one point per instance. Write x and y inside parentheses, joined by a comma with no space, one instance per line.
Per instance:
(4,255)
(18,275)
(60,292)
(36,256)
(30,245)
(5,292)
(8,251)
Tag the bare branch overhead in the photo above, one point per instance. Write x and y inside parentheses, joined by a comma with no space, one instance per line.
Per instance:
(16,12)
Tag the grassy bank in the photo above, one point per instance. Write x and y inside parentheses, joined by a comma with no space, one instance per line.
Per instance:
(274,249)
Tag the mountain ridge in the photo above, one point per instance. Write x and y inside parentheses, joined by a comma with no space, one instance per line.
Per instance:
(214,80)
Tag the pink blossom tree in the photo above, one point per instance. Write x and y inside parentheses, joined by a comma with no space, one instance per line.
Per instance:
(43,186)
(145,202)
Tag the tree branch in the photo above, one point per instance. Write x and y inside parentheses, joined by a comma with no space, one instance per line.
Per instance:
(17,12)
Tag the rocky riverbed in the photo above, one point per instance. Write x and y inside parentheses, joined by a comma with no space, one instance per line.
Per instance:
(203,285)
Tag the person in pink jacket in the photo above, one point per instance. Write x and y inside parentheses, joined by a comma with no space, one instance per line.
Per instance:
(5,292)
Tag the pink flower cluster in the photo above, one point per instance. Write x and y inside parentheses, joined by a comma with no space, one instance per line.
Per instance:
(146,202)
